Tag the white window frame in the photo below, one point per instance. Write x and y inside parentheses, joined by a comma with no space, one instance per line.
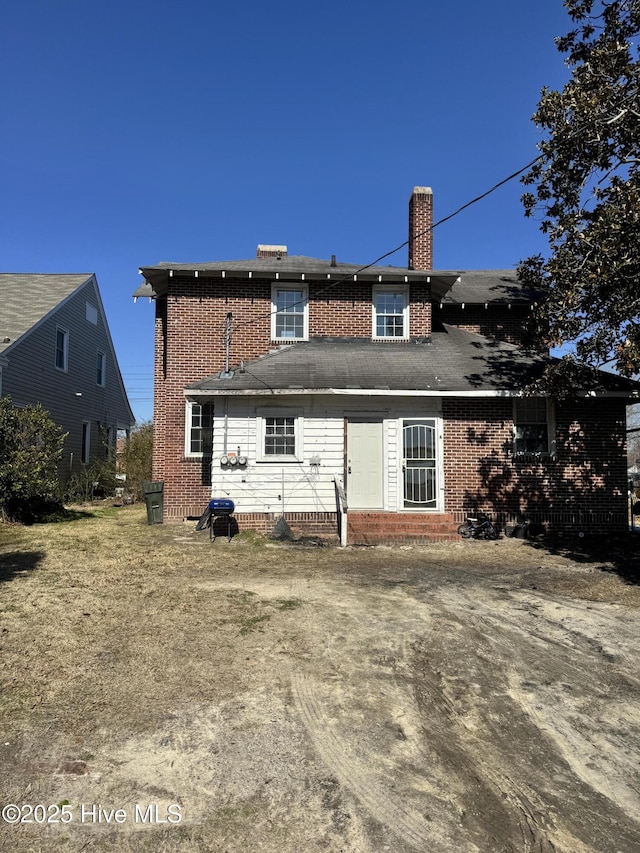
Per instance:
(65,350)
(85,443)
(192,413)
(262,423)
(101,368)
(290,286)
(385,288)
(551,430)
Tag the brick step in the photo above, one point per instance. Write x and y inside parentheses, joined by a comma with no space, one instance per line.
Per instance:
(355,539)
(371,528)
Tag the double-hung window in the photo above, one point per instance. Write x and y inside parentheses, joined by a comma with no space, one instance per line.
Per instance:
(289,312)
(199,438)
(280,437)
(391,313)
(533,432)
(62,349)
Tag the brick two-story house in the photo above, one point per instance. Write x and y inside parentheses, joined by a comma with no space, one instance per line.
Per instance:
(279,376)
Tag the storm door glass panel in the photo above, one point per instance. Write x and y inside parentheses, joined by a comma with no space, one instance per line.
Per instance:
(290,308)
(419,464)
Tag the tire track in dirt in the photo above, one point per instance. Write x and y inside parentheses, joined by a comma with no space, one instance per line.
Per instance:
(562,647)
(378,800)
(504,807)
(548,718)
(482,746)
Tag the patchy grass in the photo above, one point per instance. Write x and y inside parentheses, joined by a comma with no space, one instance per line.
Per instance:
(110,627)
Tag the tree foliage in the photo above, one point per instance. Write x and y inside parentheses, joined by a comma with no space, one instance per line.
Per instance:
(585,189)
(30,452)
(136,458)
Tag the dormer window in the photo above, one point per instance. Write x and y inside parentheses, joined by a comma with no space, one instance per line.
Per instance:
(391,313)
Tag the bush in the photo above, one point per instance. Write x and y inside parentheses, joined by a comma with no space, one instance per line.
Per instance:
(96,480)
(30,453)
(136,459)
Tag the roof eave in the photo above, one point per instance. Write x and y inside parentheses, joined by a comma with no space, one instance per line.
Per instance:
(196,393)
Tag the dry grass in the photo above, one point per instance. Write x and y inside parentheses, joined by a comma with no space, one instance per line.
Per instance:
(108,625)
(107,617)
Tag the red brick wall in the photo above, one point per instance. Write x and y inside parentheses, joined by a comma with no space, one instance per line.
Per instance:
(479,467)
(192,322)
(585,480)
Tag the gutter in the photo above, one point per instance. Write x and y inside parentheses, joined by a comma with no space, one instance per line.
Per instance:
(196,393)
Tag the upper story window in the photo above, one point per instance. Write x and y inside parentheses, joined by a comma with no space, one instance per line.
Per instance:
(533,427)
(391,313)
(289,312)
(91,313)
(199,433)
(62,349)
(101,369)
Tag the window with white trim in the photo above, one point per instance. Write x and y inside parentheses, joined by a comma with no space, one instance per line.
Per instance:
(390,313)
(289,312)
(199,432)
(62,349)
(280,437)
(101,369)
(533,427)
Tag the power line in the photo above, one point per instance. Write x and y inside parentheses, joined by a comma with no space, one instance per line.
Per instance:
(406,242)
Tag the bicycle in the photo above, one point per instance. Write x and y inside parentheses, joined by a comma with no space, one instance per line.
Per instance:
(478,527)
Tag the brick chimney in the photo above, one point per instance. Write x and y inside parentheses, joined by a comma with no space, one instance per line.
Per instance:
(420,224)
(265,251)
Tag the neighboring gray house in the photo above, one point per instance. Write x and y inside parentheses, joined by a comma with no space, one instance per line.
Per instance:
(56,350)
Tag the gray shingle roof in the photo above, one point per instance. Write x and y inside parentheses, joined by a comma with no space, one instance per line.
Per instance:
(156,277)
(482,286)
(450,286)
(452,361)
(26,298)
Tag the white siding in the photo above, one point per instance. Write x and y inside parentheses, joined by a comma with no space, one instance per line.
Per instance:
(299,486)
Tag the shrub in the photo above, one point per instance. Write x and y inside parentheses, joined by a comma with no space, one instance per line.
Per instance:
(30,453)
(136,459)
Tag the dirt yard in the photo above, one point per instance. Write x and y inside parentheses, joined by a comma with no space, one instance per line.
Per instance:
(163,693)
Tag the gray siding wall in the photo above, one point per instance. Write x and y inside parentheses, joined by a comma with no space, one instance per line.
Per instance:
(31,376)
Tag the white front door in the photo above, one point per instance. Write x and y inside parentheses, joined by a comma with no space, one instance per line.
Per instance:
(364,464)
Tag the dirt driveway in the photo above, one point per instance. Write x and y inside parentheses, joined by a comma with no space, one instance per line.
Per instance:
(253,696)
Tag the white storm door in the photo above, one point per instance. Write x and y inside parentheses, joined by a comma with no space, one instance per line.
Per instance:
(419,464)
(364,465)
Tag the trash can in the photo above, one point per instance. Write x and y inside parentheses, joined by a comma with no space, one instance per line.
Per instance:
(153,497)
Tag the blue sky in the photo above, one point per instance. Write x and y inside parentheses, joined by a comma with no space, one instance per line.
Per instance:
(138,132)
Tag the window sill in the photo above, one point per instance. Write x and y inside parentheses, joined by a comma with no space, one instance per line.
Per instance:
(280,460)
(534,457)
